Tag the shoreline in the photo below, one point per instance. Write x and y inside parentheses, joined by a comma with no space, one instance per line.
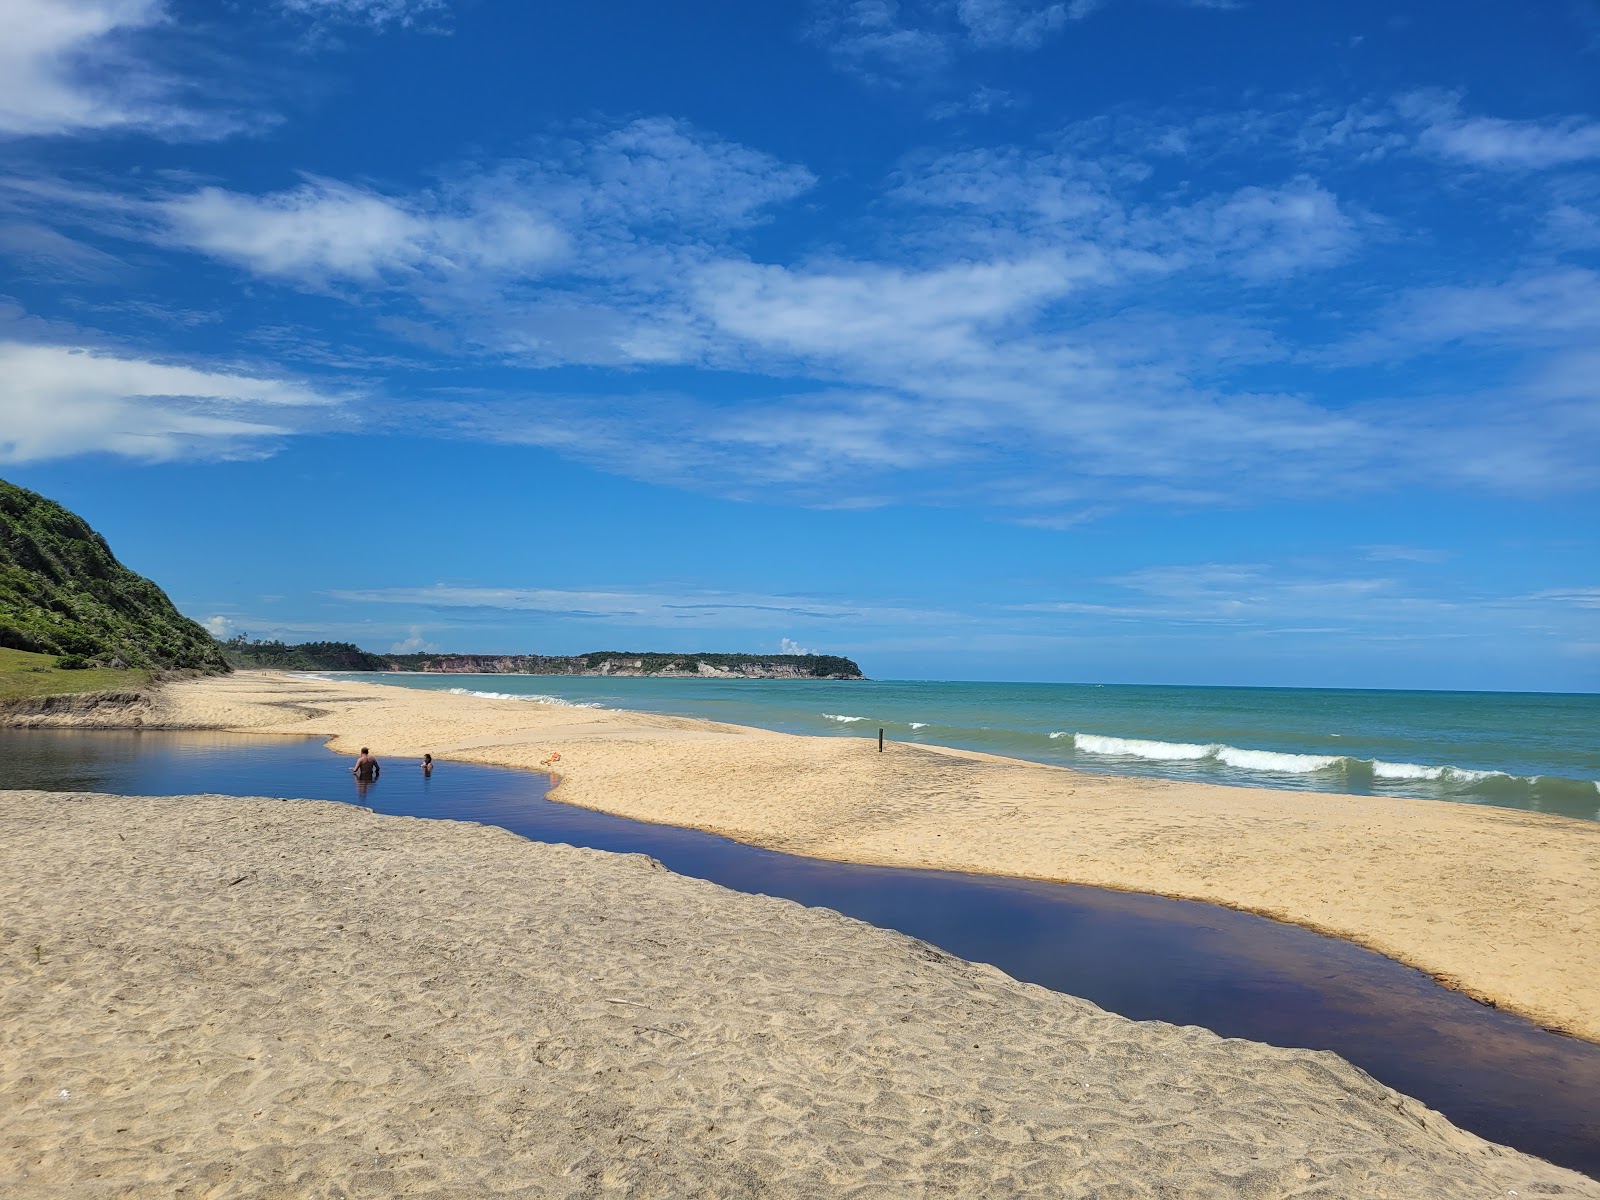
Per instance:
(1082,741)
(245,995)
(1496,903)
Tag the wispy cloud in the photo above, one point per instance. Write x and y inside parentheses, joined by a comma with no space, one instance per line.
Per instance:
(1578,597)
(1416,554)
(1009,24)
(77,66)
(378,14)
(632,201)
(889,41)
(325,230)
(1255,599)
(899,41)
(1047,332)
(61,401)
(1552,308)
(634,606)
(1496,142)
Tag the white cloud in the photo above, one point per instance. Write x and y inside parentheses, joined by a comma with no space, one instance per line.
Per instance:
(1579,597)
(979,102)
(892,41)
(218,627)
(658,171)
(66,67)
(864,309)
(325,229)
(1550,308)
(635,205)
(376,13)
(70,67)
(414,642)
(1008,24)
(869,38)
(1574,226)
(1043,333)
(789,646)
(1268,233)
(60,401)
(1090,195)
(1496,142)
(888,41)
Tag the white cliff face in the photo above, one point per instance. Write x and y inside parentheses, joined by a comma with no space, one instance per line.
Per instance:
(687,666)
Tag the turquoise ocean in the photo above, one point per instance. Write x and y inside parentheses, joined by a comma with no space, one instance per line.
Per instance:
(1538,751)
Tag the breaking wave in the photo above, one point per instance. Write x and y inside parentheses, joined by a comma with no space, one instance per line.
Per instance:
(1277,762)
(843,720)
(1091,743)
(557,701)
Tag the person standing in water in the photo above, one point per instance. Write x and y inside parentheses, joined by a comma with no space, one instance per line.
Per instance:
(366,768)
(427,765)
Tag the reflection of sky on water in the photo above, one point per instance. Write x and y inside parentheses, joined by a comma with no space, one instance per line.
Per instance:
(1142,956)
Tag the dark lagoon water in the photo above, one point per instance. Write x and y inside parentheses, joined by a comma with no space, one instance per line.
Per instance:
(1142,956)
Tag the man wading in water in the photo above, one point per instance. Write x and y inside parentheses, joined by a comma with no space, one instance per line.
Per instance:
(366,768)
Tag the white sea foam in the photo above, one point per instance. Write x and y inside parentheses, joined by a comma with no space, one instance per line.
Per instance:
(1060,733)
(1267,760)
(1271,760)
(917,724)
(1389,770)
(557,701)
(1092,743)
(842,720)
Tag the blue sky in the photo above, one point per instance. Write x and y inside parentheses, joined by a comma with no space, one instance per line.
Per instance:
(1188,341)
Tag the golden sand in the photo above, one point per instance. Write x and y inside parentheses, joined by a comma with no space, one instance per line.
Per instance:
(212,996)
(1502,904)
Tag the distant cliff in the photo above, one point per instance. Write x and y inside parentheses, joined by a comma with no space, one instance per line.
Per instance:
(63,592)
(672,666)
(342,656)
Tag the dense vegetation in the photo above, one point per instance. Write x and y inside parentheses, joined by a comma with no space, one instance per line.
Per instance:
(62,592)
(306,656)
(342,656)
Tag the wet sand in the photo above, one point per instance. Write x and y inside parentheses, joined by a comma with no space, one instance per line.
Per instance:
(221,996)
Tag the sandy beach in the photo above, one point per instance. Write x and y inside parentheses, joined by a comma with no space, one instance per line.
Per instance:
(1495,902)
(214,996)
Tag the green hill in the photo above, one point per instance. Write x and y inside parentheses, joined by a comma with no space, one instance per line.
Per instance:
(63,592)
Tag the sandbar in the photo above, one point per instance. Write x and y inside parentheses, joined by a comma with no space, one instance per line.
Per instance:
(1503,905)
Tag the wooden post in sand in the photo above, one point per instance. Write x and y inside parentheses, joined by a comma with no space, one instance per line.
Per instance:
(880,741)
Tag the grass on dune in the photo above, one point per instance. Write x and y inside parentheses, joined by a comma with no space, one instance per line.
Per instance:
(23,674)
